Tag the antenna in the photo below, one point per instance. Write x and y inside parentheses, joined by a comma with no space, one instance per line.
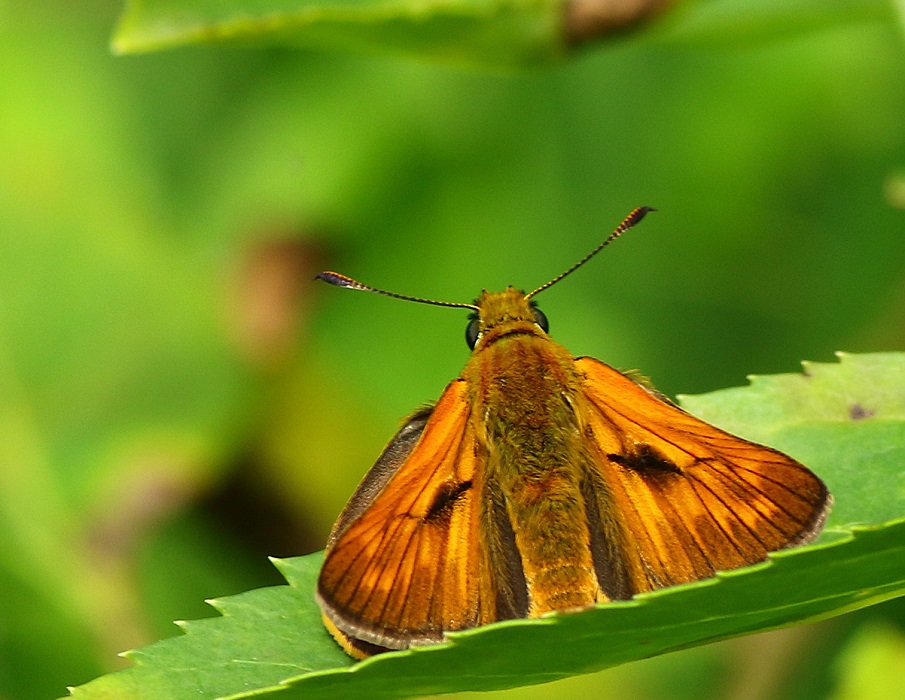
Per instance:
(629,221)
(338,280)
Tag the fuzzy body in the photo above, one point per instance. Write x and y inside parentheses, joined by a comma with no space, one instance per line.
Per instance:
(522,388)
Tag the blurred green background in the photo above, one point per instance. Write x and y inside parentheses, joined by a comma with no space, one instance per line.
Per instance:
(179,400)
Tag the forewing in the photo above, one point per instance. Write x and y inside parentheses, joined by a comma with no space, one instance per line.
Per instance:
(682,498)
(401,566)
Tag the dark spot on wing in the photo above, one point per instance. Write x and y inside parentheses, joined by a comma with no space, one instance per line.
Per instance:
(647,461)
(449,493)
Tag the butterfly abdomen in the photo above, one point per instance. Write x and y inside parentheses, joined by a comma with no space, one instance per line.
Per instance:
(533,442)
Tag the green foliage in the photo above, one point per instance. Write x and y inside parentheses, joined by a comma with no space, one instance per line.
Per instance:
(497,33)
(476,31)
(729,23)
(271,642)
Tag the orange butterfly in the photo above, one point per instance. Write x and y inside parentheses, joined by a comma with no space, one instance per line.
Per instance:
(542,482)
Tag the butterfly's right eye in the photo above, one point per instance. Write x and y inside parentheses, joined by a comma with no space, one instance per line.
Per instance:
(540,318)
(473,332)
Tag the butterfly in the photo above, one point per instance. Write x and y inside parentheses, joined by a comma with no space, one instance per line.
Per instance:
(541,482)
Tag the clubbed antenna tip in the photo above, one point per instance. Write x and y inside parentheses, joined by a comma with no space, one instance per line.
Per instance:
(338,280)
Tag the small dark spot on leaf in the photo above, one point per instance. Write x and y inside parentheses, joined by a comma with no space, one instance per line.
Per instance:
(858,412)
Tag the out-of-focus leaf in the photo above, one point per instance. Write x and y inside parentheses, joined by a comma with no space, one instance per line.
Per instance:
(513,33)
(732,23)
(483,32)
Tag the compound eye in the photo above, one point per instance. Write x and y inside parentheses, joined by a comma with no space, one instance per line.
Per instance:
(541,320)
(473,332)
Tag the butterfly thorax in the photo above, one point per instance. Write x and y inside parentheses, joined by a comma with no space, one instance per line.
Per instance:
(522,386)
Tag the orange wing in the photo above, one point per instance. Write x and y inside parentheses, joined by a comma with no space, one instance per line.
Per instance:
(689,499)
(402,563)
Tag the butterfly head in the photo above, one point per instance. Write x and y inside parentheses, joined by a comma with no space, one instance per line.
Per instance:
(503,313)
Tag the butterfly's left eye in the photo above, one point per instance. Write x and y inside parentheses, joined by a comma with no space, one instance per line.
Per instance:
(541,320)
(473,332)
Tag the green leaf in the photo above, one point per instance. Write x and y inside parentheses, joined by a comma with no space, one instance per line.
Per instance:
(509,33)
(846,419)
(491,31)
(483,32)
